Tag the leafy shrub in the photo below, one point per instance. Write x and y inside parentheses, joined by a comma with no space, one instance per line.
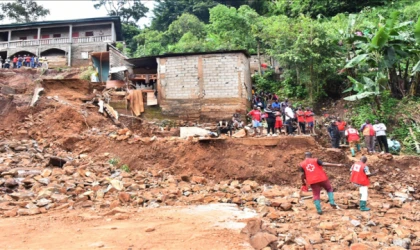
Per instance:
(86,75)
(114,161)
(125,168)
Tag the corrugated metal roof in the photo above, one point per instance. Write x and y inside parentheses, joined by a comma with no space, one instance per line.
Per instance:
(115,19)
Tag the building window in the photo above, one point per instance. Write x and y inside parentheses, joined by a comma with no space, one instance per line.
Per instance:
(89,33)
(23,38)
(45,36)
(85,55)
(56,35)
(75,34)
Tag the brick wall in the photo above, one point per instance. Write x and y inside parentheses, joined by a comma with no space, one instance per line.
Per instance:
(206,87)
(116,59)
(76,53)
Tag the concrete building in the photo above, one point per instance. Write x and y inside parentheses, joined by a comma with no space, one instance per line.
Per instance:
(208,85)
(66,43)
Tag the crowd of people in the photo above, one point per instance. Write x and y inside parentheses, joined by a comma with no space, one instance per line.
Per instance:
(339,130)
(19,61)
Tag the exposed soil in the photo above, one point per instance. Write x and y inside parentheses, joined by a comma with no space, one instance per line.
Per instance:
(161,168)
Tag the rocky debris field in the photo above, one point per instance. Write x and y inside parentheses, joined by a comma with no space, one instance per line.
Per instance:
(63,158)
(36,179)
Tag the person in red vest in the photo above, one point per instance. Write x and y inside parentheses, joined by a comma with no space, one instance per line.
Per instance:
(301,120)
(341,129)
(313,174)
(310,117)
(353,139)
(360,177)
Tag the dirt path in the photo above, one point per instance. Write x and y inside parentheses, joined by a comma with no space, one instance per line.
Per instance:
(213,226)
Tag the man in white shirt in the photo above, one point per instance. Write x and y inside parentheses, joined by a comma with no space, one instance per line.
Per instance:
(289,116)
(380,130)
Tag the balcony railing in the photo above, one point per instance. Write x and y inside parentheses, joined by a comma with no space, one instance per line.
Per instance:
(53,41)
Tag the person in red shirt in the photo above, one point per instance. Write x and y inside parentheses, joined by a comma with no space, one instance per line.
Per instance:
(360,177)
(28,60)
(15,60)
(342,129)
(309,118)
(279,122)
(255,114)
(313,174)
(353,138)
(301,120)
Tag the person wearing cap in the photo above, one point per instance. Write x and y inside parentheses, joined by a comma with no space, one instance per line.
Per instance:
(313,175)
(255,114)
(341,125)
(360,177)
(334,134)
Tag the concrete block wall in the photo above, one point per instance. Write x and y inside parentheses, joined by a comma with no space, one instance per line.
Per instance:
(220,74)
(181,78)
(116,59)
(76,53)
(206,87)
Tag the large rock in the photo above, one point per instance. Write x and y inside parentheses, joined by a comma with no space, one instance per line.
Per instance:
(252,227)
(261,240)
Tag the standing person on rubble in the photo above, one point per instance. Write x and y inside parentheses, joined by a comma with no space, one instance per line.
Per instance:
(360,177)
(255,114)
(271,121)
(301,120)
(314,175)
(353,139)
(380,132)
(369,134)
(310,120)
(290,116)
(341,129)
(334,134)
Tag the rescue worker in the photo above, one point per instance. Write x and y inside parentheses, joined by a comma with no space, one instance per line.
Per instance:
(313,174)
(360,177)
(353,139)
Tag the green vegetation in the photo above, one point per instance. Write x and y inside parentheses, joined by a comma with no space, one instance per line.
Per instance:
(364,51)
(22,11)
(87,74)
(125,168)
(114,161)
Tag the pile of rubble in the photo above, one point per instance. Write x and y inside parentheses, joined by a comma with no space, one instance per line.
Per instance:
(37,178)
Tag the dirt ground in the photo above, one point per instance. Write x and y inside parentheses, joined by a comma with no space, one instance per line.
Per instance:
(213,226)
(176,172)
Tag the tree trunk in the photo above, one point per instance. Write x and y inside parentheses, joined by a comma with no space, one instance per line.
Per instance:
(259,58)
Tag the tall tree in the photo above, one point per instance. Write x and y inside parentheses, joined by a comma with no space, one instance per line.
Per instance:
(23,11)
(130,11)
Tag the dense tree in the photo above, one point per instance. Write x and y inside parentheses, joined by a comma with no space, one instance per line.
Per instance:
(167,11)
(23,11)
(130,11)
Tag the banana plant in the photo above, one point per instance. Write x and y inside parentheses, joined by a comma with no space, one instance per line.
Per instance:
(369,88)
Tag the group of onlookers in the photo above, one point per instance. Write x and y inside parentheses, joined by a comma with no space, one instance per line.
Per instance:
(340,130)
(20,61)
